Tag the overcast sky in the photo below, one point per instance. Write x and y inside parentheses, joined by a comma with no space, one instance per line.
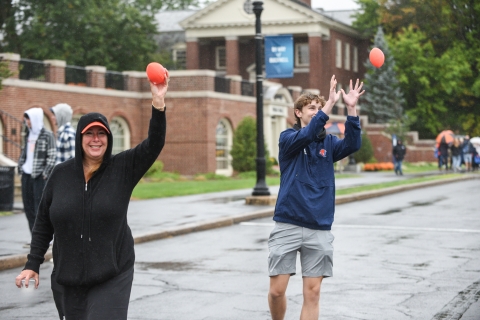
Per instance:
(335,4)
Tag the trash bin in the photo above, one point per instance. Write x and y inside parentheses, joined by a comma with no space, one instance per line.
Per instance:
(7,185)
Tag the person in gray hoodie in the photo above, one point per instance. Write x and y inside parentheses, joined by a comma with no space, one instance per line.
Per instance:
(62,116)
(36,162)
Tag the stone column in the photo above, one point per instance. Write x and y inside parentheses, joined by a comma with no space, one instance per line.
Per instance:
(315,52)
(231,48)
(13,62)
(96,76)
(193,59)
(55,71)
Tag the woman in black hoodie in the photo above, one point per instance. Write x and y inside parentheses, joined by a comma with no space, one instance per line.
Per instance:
(85,205)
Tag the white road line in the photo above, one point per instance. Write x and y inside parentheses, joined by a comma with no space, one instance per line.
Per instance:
(351,226)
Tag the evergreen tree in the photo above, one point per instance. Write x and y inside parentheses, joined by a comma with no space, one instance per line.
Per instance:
(244,148)
(384,100)
(365,154)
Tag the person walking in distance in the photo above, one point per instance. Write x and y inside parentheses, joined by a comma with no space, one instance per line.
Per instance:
(306,200)
(467,149)
(62,115)
(399,152)
(85,205)
(36,162)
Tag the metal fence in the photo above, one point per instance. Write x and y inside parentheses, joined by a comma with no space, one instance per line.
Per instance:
(32,70)
(75,75)
(115,80)
(247,88)
(222,85)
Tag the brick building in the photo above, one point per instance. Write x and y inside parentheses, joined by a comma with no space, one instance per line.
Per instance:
(206,102)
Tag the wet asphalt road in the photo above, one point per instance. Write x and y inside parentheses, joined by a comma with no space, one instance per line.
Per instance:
(412,255)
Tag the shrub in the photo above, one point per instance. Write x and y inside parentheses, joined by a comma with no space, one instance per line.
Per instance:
(365,153)
(154,170)
(244,148)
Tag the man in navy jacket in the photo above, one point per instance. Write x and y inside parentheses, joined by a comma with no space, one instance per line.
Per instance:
(306,199)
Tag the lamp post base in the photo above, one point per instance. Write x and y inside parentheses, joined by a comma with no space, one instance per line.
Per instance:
(270,200)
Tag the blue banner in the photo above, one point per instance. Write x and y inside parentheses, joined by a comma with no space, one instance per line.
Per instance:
(279,56)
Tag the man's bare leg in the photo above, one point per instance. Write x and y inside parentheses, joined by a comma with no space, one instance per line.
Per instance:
(277,300)
(311,298)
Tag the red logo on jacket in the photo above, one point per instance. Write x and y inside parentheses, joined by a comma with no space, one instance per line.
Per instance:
(323,152)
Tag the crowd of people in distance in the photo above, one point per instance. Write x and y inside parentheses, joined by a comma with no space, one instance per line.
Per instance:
(452,156)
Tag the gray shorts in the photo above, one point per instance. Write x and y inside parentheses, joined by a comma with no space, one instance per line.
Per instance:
(315,248)
(467,157)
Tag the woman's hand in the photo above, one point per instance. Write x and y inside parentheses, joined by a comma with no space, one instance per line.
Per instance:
(27,275)
(159,91)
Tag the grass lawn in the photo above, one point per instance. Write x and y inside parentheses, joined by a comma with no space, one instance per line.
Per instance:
(150,190)
(174,187)
(389,184)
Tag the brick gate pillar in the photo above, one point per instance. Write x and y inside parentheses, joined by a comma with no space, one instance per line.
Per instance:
(193,59)
(55,71)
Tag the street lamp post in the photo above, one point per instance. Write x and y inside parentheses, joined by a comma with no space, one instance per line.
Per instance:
(261,188)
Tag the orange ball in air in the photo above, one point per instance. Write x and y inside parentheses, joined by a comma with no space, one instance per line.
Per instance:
(156,73)
(377,58)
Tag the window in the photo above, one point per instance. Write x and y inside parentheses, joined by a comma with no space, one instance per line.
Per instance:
(355,59)
(224,138)
(302,55)
(347,56)
(338,53)
(121,135)
(180,58)
(220,58)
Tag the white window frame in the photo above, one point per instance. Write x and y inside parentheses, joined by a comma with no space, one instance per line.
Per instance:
(355,59)
(124,136)
(228,171)
(347,56)
(298,48)
(338,53)
(218,52)
(176,49)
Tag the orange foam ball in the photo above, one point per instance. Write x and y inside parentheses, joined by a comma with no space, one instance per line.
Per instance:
(156,73)
(377,58)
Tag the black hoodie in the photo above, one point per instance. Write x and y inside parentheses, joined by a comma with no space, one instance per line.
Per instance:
(93,241)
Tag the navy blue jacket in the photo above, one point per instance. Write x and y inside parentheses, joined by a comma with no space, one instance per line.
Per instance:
(307,185)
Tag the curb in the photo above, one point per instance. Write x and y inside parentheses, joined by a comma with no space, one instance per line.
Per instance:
(16,261)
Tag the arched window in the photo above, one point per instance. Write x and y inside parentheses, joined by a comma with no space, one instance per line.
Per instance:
(121,135)
(224,139)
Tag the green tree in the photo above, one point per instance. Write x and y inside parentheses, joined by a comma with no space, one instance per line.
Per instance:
(244,148)
(384,99)
(436,45)
(117,34)
(367,19)
(365,153)
(4,72)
